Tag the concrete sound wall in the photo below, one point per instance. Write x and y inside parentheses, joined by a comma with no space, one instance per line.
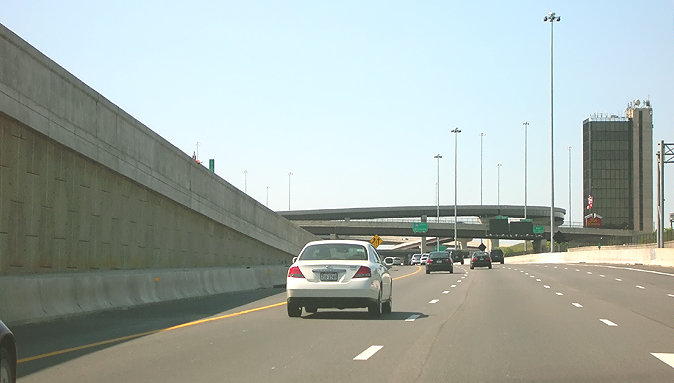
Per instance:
(84,186)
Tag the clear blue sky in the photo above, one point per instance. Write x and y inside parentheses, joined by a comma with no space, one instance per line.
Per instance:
(356,97)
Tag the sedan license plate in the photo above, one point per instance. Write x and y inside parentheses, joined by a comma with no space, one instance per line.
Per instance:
(328,277)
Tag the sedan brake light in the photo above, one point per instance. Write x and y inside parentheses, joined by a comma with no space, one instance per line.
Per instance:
(363,272)
(474,258)
(295,272)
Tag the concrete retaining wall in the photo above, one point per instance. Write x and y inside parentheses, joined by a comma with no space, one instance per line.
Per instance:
(40,297)
(656,257)
(84,186)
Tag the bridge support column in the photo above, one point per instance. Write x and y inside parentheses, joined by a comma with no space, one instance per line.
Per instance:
(493,243)
(424,249)
(538,245)
(464,244)
(333,236)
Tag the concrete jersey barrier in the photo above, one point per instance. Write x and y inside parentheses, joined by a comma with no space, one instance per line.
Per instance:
(35,298)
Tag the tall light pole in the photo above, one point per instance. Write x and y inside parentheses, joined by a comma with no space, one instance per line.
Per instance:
(551,17)
(437,201)
(197,154)
(456,132)
(498,187)
(245,181)
(526,125)
(267,196)
(289,175)
(570,148)
(481,136)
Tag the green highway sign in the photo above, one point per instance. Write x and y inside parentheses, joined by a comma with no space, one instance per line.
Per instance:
(420,227)
(443,248)
(538,230)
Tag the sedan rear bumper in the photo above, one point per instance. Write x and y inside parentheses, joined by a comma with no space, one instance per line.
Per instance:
(330,302)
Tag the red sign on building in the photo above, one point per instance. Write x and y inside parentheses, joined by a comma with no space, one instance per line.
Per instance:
(593,220)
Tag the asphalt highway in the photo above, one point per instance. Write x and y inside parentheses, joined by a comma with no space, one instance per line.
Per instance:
(513,323)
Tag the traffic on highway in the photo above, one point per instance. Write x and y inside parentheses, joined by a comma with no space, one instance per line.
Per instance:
(528,322)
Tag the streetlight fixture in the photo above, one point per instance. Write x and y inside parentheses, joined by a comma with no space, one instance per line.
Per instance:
(289,175)
(481,136)
(197,154)
(552,17)
(570,148)
(498,186)
(267,196)
(245,181)
(437,200)
(456,132)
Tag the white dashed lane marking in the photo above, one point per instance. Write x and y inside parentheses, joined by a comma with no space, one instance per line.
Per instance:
(412,318)
(618,279)
(558,293)
(446,292)
(670,295)
(453,286)
(546,286)
(434,301)
(640,287)
(666,358)
(608,322)
(602,275)
(589,272)
(577,304)
(538,280)
(365,355)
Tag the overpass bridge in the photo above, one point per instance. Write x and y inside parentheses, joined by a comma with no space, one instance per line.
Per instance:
(398,222)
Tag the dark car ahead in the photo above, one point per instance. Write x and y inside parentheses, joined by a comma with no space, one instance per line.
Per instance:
(480,259)
(457,255)
(8,357)
(497,256)
(439,261)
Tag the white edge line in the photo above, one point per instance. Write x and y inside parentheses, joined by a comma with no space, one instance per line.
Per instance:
(365,355)
(608,322)
(633,269)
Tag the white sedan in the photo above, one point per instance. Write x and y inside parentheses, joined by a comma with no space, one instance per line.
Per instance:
(338,274)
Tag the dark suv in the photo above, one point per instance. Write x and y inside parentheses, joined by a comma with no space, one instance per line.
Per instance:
(497,255)
(457,255)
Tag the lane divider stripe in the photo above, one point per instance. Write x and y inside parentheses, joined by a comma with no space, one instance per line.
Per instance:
(666,358)
(608,322)
(434,301)
(577,304)
(365,355)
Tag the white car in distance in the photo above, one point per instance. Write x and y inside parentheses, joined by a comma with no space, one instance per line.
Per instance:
(338,274)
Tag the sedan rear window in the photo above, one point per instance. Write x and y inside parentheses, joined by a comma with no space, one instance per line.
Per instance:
(441,254)
(334,251)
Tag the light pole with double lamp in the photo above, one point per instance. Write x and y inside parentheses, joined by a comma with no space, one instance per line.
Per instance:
(526,125)
(456,132)
(552,18)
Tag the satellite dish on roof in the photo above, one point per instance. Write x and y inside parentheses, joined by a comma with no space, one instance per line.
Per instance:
(637,102)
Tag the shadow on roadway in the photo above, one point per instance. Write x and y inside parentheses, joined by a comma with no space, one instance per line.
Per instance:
(86,329)
(361,315)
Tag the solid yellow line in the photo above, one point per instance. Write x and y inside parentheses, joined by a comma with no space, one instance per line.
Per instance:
(146,333)
(407,275)
(123,338)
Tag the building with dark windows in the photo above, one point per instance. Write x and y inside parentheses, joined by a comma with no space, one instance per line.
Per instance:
(618,169)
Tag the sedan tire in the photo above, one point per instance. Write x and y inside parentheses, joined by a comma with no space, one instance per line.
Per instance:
(451,271)
(294,310)
(7,374)
(375,309)
(428,271)
(387,307)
